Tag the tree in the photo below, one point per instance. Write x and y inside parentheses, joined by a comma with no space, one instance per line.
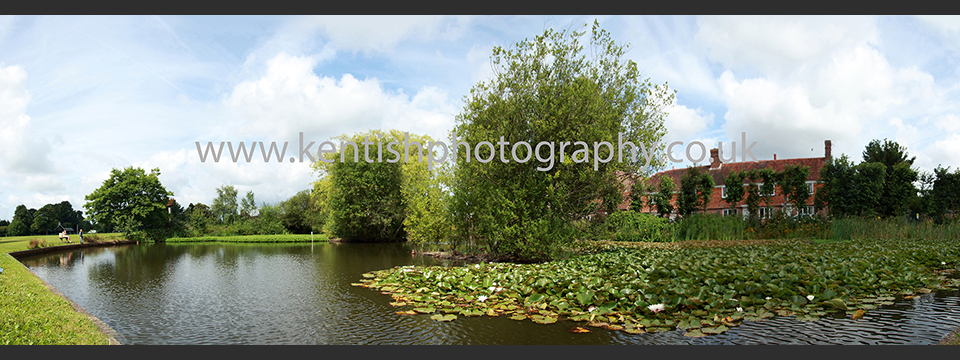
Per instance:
(549,95)
(851,189)
(734,188)
(637,192)
(696,187)
(945,195)
(295,213)
(225,204)
(23,217)
(662,200)
(248,206)
(199,216)
(270,220)
(132,200)
(364,197)
(793,183)
(898,188)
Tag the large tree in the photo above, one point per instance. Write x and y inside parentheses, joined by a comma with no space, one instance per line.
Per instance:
(570,107)
(225,204)
(133,201)
(361,184)
(696,187)
(898,189)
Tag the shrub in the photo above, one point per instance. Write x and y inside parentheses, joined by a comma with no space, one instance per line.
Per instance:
(636,226)
(37,243)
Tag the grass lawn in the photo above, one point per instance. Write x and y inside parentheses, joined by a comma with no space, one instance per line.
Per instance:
(30,313)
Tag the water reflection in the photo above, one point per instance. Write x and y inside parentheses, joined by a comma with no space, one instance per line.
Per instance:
(301,294)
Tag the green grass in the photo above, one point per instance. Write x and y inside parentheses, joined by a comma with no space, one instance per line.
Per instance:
(17,243)
(31,314)
(290,238)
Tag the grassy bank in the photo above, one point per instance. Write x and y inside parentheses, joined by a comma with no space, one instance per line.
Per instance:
(291,238)
(702,287)
(30,313)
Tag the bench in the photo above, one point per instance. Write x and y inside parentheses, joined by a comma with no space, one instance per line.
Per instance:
(62,236)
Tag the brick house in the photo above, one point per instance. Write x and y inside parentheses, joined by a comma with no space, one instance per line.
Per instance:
(719,172)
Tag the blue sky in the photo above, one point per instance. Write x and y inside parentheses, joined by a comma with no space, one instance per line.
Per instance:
(81,95)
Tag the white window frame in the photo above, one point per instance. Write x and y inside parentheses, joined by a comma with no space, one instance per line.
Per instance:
(774,193)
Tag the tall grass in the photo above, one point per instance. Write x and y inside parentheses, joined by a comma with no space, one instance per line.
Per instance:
(893,228)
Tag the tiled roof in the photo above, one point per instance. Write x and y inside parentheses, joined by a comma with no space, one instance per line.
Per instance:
(814,164)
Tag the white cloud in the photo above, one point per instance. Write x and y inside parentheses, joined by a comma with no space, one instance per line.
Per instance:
(683,123)
(22,150)
(780,45)
(290,98)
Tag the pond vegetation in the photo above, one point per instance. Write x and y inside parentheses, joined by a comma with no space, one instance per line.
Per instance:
(701,287)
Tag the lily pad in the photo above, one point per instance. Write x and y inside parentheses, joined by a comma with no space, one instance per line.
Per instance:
(448,317)
(518,317)
(425,310)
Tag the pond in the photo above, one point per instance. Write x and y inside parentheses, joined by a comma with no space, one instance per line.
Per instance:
(301,294)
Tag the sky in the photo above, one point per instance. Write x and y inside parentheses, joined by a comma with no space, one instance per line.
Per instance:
(82,95)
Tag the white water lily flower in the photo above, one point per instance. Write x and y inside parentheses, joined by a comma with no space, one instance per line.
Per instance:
(768,298)
(477,266)
(591,309)
(739,309)
(810,297)
(492,289)
(943,263)
(482,298)
(657,308)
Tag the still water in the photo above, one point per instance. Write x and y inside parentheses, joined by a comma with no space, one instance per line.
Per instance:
(301,294)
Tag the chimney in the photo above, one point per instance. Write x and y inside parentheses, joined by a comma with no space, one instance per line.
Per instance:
(774,156)
(715,159)
(826,150)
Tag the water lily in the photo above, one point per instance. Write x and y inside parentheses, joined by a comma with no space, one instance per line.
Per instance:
(768,298)
(482,298)
(493,288)
(476,266)
(656,308)
(943,263)
(810,297)
(739,309)
(591,309)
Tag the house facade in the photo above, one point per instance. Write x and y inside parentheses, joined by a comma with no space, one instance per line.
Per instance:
(719,171)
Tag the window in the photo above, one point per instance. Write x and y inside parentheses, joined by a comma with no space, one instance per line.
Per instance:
(810,187)
(723,193)
(729,212)
(806,210)
(765,212)
(772,191)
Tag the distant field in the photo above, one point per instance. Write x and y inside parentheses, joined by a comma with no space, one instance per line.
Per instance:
(17,243)
(293,238)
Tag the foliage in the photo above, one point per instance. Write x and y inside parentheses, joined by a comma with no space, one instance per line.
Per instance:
(945,195)
(199,218)
(225,204)
(248,206)
(364,197)
(427,200)
(132,200)
(637,192)
(548,90)
(662,199)
(278,238)
(636,226)
(18,228)
(270,220)
(296,213)
(793,183)
(734,188)
(701,289)
(695,189)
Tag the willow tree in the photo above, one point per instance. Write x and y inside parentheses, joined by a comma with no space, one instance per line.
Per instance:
(562,110)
